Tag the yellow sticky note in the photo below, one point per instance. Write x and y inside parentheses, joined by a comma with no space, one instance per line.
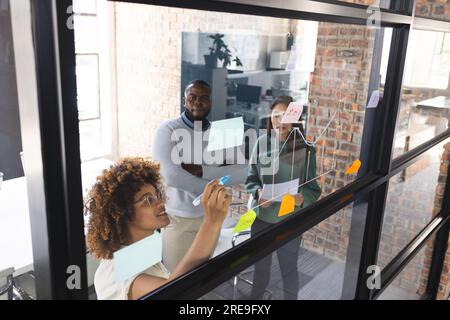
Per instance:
(245,221)
(354,167)
(287,205)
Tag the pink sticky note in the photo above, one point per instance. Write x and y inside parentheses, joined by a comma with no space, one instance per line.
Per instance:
(293,113)
(374,99)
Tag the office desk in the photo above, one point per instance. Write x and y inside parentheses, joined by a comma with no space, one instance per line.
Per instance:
(15,231)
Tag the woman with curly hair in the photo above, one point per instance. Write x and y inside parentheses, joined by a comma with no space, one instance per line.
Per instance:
(126,205)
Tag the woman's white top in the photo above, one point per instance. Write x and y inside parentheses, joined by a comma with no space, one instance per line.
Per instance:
(108,288)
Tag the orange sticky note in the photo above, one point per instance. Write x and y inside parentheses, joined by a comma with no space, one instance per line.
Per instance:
(287,205)
(354,167)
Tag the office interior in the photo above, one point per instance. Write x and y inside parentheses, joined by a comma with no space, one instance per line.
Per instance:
(374,93)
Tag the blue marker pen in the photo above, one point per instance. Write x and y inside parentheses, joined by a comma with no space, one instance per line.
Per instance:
(223,181)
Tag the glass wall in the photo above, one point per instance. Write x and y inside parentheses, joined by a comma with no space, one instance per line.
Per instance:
(282,108)
(311,267)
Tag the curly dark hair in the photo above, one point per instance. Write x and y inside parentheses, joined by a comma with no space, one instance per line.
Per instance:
(110,203)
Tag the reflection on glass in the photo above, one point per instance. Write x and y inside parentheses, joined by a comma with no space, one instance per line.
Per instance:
(85,6)
(16,255)
(411,282)
(385,4)
(414,198)
(425,102)
(88,89)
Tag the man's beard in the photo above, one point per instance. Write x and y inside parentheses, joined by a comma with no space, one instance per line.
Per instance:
(193,118)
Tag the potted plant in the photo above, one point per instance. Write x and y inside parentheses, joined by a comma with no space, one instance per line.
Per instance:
(219,51)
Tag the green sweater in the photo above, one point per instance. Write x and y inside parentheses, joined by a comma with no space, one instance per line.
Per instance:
(260,172)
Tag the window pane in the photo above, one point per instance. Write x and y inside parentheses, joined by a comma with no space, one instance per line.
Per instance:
(90,139)
(16,254)
(88,89)
(314,266)
(411,283)
(414,198)
(385,4)
(439,10)
(444,286)
(425,103)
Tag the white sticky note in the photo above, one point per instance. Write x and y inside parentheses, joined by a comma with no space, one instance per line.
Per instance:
(374,99)
(226,134)
(137,257)
(293,113)
(277,190)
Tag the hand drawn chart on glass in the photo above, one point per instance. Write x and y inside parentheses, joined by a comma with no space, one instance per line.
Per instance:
(321,144)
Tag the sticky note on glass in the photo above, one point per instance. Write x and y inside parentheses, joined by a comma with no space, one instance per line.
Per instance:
(137,257)
(354,167)
(225,134)
(293,113)
(287,205)
(275,191)
(245,221)
(374,99)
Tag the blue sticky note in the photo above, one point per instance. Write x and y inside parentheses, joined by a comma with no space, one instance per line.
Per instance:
(137,257)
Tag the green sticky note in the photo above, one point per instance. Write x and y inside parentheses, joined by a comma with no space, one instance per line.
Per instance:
(245,221)
(137,257)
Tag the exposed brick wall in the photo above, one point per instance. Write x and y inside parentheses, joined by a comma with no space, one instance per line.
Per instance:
(365,2)
(436,9)
(340,82)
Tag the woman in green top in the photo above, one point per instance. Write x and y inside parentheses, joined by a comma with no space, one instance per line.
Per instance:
(284,159)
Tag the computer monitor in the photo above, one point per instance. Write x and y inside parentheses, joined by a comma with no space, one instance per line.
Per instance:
(248,94)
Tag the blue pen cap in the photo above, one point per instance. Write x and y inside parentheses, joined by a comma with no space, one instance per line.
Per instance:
(224,180)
